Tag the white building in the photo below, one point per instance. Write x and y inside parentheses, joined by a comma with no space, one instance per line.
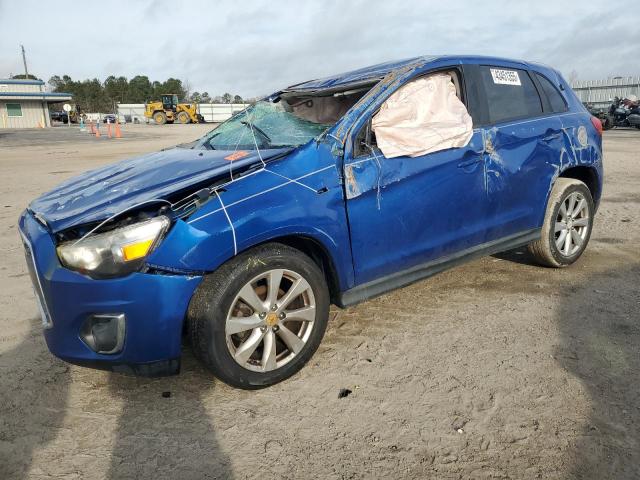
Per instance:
(25,104)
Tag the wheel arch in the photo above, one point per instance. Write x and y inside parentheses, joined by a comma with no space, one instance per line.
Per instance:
(315,250)
(587,175)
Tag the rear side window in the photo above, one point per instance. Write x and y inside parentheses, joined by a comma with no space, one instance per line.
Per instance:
(556,101)
(510,94)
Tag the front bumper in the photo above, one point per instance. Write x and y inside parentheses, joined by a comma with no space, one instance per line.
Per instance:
(154,307)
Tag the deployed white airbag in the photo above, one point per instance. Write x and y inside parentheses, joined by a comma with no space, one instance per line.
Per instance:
(423,116)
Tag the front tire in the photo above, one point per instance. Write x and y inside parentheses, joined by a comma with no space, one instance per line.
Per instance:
(260,317)
(567,224)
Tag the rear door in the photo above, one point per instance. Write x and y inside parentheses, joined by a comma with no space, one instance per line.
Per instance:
(520,145)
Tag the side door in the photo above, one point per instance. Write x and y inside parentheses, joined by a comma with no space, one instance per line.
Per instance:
(521,138)
(407,211)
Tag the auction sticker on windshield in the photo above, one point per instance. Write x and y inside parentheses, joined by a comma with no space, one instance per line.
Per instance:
(505,77)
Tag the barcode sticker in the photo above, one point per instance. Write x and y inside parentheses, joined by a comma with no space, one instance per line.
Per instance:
(505,77)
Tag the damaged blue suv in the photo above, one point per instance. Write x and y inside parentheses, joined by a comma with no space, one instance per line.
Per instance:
(330,191)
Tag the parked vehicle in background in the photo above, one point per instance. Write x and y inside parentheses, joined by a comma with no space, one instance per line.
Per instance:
(60,116)
(109,118)
(329,191)
(601,113)
(624,113)
(169,109)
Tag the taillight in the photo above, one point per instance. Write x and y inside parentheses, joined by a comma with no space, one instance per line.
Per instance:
(597,123)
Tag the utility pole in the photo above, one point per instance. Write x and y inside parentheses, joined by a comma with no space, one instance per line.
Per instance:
(24,60)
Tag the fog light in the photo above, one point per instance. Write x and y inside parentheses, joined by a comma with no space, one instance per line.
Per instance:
(104,333)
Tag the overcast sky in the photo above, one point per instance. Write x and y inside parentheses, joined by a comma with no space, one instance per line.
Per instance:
(254,47)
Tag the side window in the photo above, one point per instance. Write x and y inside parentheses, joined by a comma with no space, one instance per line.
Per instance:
(558,105)
(510,94)
(427,107)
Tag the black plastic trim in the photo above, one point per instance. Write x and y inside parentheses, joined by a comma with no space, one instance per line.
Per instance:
(543,95)
(401,279)
(160,368)
(154,269)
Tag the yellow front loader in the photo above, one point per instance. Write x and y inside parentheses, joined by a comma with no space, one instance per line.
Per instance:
(169,110)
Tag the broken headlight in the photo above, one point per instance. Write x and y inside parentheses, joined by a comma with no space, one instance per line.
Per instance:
(114,253)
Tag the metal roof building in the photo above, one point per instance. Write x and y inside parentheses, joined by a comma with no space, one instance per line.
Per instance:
(25,104)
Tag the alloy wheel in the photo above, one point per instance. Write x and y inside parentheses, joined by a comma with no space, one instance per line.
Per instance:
(270,320)
(572,224)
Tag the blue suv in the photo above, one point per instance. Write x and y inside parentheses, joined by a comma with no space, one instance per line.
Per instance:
(330,191)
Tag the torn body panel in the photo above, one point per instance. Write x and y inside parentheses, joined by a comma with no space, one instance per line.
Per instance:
(362,75)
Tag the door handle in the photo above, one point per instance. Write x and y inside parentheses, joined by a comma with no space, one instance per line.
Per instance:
(468,163)
(551,136)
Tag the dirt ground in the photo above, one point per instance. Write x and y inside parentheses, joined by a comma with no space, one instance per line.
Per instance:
(496,369)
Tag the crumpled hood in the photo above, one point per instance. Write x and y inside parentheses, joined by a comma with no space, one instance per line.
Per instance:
(99,194)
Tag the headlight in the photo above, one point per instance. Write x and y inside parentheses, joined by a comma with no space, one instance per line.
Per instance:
(115,253)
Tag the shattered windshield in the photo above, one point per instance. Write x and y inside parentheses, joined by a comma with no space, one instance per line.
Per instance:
(265,124)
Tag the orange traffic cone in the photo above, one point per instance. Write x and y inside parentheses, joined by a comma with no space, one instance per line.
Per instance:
(97,131)
(92,129)
(118,132)
(109,129)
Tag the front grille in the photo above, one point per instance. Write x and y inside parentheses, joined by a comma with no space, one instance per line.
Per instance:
(35,281)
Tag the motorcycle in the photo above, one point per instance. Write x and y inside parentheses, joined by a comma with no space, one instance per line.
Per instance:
(623,113)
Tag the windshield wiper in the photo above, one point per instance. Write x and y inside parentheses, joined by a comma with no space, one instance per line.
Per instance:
(251,126)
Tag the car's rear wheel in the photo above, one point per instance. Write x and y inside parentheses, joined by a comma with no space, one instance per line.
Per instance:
(567,224)
(260,317)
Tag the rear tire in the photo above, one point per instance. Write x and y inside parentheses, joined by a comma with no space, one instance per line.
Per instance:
(252,347)
(160,118)
(567,224)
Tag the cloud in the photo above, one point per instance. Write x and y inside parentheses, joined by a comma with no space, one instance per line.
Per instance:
(255,47)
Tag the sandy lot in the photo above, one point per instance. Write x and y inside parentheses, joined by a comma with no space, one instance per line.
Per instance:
(497,369)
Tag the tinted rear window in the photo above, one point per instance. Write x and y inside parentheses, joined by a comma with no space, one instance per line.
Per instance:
(510,93)
(558,104)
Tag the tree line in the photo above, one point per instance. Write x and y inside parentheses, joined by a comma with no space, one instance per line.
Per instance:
(92,95)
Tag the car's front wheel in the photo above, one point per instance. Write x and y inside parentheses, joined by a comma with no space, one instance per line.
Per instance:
(260,317)
(567,224)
